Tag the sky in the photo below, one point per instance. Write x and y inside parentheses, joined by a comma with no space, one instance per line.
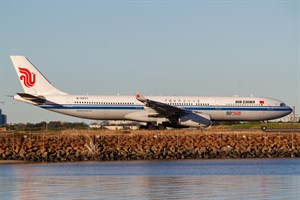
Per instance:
(202,48)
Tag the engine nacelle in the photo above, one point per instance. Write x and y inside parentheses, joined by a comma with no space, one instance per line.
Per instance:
(195,120)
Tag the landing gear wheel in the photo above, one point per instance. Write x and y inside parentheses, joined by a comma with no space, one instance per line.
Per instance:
(152,127)
(161,127)
(263,128)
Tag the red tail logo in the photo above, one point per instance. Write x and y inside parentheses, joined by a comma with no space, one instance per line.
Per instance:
(27,77)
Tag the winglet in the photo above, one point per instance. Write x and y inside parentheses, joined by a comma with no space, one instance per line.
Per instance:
(140,97)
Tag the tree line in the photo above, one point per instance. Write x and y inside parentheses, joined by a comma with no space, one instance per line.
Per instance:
(53,125)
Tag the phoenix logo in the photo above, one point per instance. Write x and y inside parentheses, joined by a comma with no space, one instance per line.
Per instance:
(27,77)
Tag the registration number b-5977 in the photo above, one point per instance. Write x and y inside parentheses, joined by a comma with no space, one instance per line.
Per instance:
(233,112)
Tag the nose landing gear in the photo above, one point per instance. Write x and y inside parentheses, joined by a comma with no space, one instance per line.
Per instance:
(263,126)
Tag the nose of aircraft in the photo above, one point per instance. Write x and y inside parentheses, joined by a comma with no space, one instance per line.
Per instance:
(289,110)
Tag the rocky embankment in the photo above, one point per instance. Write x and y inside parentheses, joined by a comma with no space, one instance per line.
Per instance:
(136,145)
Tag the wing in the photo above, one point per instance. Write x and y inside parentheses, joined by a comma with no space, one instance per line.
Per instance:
(162,108)
(175,114)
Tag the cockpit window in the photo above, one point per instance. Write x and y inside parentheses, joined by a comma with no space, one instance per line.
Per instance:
(282,104)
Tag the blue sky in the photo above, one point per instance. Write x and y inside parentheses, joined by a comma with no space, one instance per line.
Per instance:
(218,48)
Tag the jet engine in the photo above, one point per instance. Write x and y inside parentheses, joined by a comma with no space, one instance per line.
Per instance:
(195,120)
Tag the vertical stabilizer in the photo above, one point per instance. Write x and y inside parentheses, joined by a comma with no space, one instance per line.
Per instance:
(32,81)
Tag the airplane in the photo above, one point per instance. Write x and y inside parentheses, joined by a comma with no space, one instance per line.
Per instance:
(158,112)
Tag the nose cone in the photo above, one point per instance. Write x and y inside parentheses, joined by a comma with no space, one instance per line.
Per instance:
(289,110)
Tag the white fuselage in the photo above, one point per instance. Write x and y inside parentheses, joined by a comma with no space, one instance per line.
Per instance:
(128,108)
(173,111)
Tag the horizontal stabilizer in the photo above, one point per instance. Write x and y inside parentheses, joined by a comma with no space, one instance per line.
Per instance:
(32,98)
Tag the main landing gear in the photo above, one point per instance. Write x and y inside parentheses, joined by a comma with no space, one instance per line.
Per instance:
(151,126)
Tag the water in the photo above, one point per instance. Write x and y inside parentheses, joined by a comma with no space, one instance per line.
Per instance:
(182,179)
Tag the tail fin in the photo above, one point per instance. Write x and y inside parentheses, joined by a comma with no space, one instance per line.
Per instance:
(32,81)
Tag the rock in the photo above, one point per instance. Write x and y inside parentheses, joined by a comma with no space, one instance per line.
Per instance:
(149,145)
